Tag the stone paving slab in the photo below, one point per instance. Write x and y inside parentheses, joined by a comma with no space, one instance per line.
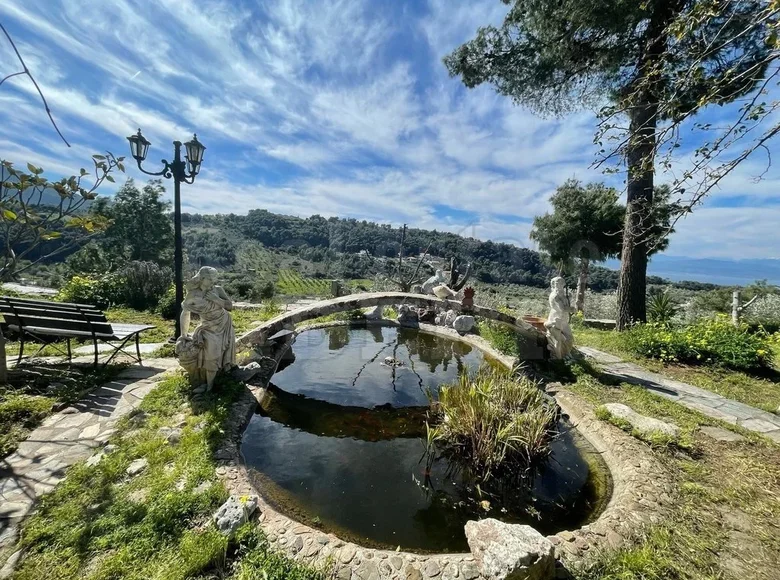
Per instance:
(145,347)
(706,402)
(63,439)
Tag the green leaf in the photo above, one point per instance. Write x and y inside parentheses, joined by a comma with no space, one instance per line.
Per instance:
(34,170)
(110,178)
(83,172)
(9,215)
(52,236)
(98,157)
(121,167)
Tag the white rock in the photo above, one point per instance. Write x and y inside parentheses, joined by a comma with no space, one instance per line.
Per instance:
(645,425)
(443,292)
(463,323)
(246,372)
(137,466)
(374,313)
(510,551)
(450,317)
(235,512)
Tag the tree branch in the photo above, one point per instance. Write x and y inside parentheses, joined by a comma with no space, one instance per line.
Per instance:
(27,72)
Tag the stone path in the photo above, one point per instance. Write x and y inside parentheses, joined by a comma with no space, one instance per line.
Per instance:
(706,402)
(66,438)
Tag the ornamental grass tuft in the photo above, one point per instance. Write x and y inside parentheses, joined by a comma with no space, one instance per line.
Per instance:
(493,423)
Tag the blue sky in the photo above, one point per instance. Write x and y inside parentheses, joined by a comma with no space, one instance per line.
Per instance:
(337,107)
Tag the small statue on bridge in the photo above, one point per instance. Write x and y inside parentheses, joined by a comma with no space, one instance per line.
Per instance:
(560,339)
(212,346)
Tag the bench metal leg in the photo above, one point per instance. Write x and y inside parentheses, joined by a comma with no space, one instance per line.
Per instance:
(138,350)
(21,349)
(96,352)
(70,356)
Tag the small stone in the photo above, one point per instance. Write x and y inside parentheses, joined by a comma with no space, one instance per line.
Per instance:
(137,466)
(368,570)
(69,411)
(202,488)
(431,569)
(235,512)
(510,551)
(95,459)
(222,455)
(396,562)
(463,323)
(297,544)
(247,372)
(614,540)
(347,553)
(566,535)
(10,565)
(450,572)
(720,434)
(645,425)
(138,496)
(413,573)
(109,449)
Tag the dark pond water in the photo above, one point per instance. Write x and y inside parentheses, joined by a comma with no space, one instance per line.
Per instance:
(338,444)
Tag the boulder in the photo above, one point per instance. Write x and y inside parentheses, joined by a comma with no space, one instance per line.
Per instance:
(407,315)
(450,317)
(235,512)
(463,323)
(510,551)
(137,466)
(373,313)
(645,425)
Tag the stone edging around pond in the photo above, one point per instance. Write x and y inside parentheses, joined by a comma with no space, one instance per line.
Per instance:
(642,492)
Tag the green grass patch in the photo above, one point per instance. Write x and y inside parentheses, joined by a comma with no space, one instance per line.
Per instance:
(758,389)
(655,439)
(291,283)
(32,393)
(723,522)
(99,524)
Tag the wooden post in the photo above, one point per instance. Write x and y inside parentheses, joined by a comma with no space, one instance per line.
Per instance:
(335,288)
(735,308)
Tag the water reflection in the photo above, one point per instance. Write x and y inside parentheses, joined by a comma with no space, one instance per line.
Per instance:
(338,445)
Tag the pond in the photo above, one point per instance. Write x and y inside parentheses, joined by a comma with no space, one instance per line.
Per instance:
(338,443)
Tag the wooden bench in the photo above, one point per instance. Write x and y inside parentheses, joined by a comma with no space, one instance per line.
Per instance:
(46,322)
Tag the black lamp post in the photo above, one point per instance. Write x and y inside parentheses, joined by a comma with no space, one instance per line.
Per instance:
(180,171)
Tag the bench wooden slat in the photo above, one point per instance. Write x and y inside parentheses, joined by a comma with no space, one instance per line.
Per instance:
(59,324)
(53,313)
(59,333)
(49,304)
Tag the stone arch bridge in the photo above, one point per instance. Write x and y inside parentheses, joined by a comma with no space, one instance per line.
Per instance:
(259,335)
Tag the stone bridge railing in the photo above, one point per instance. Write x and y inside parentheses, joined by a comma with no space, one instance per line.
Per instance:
(259,335)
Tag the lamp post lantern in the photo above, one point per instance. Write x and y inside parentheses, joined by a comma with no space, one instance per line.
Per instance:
(180,171)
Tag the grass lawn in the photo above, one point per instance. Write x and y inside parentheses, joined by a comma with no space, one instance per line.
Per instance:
(758,390)
(28,399)
(100,524)
(726,522)
(32,393)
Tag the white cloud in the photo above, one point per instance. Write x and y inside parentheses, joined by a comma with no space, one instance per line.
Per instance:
(339,107)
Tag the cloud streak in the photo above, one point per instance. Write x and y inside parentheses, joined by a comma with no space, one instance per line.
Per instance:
(338,107)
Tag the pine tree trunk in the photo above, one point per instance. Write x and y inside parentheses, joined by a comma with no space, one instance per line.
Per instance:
(582,284)
(632,283)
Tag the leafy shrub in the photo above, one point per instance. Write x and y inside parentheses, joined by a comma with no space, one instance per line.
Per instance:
(714,341)
(166,307)
(493,423)
(99,292)
(661,308)
(263,290)
(143,284)
(139,285)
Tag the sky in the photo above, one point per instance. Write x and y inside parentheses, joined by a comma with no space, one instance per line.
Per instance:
(336,107)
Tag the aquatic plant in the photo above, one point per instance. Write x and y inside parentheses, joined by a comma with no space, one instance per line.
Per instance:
(493,423)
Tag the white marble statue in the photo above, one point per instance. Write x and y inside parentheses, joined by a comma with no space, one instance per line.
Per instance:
(560,339)
(212,346)
(433,281)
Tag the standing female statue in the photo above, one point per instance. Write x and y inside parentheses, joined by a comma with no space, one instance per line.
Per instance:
(560,339)
(212,347)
